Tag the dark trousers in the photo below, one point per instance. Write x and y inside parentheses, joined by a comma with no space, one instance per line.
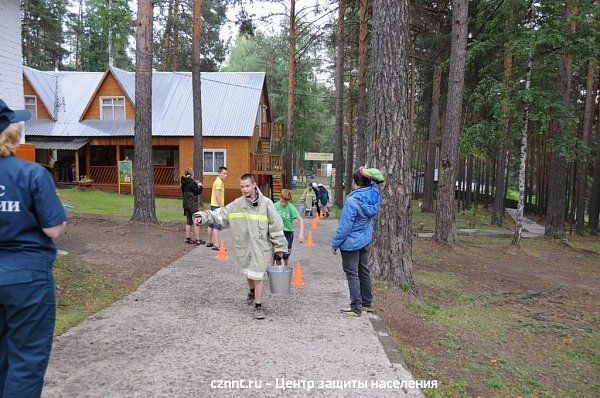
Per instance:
(27,315)
(359,278)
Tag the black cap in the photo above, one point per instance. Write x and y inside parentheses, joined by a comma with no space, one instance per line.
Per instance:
(8,116)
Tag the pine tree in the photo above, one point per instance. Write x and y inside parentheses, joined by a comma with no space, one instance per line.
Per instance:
(144,207)
(445,229)
(42,33)
(391,253)
(96,23)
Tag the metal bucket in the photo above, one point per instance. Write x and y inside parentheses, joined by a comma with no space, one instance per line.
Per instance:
(280,279)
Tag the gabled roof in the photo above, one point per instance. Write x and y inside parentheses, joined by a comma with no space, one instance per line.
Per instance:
(229,104)
(44,85)
(64,94)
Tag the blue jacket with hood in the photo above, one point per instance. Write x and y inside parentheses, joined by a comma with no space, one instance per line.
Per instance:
(355,228)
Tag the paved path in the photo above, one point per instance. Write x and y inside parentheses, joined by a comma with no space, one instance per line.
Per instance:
(531,228)
(188,327)
(471,232)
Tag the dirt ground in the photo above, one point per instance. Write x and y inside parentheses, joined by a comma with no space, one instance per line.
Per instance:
(108,257)
(123,249)
(501,322)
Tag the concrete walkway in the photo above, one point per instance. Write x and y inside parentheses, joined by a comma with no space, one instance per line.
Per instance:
(531,229)
(187,332)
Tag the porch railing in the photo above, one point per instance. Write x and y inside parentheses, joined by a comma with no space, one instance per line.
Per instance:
(163,175)
(267,163)
(103,174)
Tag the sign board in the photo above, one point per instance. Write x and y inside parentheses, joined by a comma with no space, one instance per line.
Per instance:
(319,156)
(125,168)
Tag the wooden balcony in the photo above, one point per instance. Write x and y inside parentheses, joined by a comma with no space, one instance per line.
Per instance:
(267,164)
(276,131)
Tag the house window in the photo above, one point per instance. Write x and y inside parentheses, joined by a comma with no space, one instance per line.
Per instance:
(213,159)
(31,105)
(112,108)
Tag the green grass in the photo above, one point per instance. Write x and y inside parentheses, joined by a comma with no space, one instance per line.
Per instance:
(484,340)
(110,203)
(81,291)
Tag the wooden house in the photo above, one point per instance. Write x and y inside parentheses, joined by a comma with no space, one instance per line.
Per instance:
(85,122)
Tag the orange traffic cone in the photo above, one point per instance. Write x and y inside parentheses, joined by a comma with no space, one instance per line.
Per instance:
(222,254)
(309,242)
(297,275)
(315,223)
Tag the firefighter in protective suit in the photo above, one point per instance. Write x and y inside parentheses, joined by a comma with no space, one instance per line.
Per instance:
(257,232)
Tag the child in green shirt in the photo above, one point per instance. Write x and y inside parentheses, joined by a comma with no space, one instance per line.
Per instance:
(288,214)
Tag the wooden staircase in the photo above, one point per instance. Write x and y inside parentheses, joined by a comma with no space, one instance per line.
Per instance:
(264,146)
(263,161)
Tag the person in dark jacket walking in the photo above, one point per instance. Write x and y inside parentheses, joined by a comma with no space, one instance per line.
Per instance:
(324,199)
(353,236)
(191,190)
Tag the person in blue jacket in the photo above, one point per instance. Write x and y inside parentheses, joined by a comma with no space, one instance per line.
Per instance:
(30,217)
(353,236)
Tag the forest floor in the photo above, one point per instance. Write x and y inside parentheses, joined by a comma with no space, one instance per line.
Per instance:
(501,322)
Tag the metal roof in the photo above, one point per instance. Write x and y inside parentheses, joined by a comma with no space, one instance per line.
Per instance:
(64,145)
(229,101)
(44,83)
(65,94)
(229,104)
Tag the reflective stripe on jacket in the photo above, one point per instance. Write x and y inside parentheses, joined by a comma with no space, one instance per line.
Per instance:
(257,231)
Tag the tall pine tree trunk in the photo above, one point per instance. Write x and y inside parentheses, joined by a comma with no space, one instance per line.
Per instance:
(469,185)
(338,151)
(361,124)
(582,166)
(176,56)
(197,89)
(27,32)
(78,36)
(391,249)
(501,172)
(144,209)
(351,133)
(594,211)
(555,213)
(289,144)
(434,121)
(167,55)
(519,227)
(413,96)
(445,216)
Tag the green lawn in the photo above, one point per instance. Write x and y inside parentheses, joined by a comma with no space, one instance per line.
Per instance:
(110,203)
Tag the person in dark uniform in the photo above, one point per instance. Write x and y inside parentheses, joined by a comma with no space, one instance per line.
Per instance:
(31,215)
(191,190)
